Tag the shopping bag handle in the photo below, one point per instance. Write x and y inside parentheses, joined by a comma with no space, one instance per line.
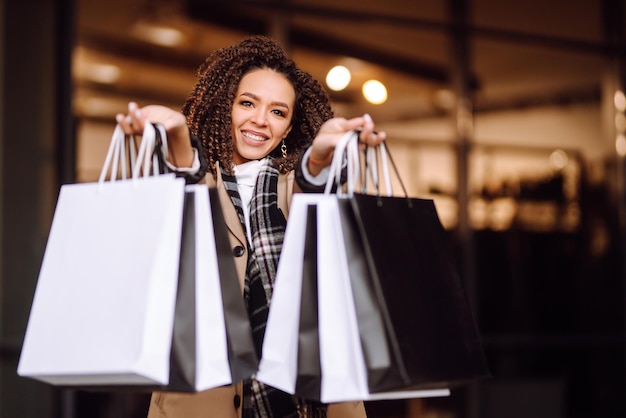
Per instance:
(360,170)
(115,153)
(147,156)
(345,157)
(142,162)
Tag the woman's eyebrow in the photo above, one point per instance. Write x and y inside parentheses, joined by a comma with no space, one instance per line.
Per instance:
(255,97)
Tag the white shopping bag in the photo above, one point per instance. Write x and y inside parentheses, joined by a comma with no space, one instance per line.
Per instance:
(211,366)
(104,303)
(103,308)
(224,348)
(278,365)
(343,368)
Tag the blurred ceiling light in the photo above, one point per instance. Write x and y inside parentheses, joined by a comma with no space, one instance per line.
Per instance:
(158,34)
(338,78)
(620,101)
(620,145)
(375,92)
(445,98)
(99,73)
(558,160)
(502,213)
(100,107)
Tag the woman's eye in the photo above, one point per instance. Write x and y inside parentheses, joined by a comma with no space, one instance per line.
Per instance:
(279,112)
(246,103)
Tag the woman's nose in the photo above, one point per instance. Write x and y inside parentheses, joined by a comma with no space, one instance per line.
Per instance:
(259,117)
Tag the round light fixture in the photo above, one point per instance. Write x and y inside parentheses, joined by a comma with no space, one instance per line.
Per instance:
(375,92)
(558,160)
(338,78)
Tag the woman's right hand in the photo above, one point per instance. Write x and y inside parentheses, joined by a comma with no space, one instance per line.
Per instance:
(331,132)
(174,122)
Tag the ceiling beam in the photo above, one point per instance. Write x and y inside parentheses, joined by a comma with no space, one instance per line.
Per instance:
(208,9)
(254,20)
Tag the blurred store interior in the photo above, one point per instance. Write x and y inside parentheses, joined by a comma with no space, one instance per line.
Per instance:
(510,115)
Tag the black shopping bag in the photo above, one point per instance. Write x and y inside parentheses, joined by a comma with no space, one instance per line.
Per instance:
(430,339)
(309,371)
(243,359)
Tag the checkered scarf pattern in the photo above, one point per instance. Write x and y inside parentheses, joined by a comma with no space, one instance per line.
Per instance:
(267,225)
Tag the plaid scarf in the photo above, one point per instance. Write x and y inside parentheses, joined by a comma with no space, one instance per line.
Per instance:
(267,227)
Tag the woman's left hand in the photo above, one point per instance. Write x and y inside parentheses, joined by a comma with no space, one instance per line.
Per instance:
(331,132)
(173,121)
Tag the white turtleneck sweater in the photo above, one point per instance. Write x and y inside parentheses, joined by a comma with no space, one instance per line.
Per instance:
(247,174)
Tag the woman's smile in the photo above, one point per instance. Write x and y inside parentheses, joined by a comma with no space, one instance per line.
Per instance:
(254,136)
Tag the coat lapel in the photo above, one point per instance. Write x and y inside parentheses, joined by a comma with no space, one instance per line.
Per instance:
(237,235)
(230,213)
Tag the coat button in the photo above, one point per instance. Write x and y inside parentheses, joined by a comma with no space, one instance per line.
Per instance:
(237,401)
(238,251)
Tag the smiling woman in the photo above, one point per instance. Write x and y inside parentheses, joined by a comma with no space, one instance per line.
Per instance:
(258,129)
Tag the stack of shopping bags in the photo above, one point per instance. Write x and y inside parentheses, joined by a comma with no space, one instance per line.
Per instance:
(389,317)
(138,289)
(135,288)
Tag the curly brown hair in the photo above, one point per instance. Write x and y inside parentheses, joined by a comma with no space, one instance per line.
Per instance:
(208,108)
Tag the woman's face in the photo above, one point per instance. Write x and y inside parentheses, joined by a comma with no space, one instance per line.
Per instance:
(261,114)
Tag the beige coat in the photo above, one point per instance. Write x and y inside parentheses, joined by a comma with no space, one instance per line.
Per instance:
(225,402)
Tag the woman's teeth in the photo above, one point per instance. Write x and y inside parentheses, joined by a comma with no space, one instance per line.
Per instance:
(254,137)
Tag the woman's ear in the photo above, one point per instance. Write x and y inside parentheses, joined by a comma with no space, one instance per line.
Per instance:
(287,131)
